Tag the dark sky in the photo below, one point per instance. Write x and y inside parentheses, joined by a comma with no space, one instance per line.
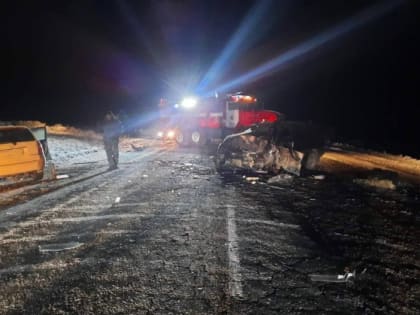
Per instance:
(69,61)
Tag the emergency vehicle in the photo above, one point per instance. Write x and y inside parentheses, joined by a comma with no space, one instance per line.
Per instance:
(195,121)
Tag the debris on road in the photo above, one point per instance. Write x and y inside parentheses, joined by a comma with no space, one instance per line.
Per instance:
(281,178)
(59,247)
(137,148)
(376,183)
(318,177)
(62,176)
(251,179)
(333,278)
(275,187)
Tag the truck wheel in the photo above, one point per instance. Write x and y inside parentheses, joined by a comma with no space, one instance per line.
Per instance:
(198,137)
(183,138)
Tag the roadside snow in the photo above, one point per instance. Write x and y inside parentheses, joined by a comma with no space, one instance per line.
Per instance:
(67,151)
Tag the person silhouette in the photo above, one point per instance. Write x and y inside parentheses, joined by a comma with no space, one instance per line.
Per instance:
(111,133)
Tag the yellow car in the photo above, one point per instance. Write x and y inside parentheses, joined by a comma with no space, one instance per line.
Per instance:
(20,152)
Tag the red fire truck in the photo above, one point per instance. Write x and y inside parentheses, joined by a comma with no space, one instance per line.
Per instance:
(197,121)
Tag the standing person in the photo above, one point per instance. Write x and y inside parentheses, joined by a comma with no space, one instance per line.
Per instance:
(112,129)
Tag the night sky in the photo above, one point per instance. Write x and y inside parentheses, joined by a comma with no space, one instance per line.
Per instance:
(70,61)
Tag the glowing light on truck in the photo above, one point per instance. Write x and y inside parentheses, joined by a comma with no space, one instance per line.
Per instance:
(189,102)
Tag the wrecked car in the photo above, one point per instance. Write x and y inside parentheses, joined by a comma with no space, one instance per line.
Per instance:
(291,147)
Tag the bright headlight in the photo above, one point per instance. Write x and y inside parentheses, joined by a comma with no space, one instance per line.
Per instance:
(189,102)
(171,134)
(160,134)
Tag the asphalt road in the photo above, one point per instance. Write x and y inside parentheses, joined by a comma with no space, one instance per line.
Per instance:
(165,234)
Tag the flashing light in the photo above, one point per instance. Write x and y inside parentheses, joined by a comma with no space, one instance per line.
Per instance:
(247,99)
(189,102)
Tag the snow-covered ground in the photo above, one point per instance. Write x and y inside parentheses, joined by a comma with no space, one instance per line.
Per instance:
(71,146)
(69,151)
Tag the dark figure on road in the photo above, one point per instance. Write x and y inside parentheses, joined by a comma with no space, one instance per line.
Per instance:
(112,130)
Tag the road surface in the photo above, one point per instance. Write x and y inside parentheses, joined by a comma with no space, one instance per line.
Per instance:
(165,234)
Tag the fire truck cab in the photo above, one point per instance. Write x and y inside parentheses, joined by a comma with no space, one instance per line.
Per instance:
(197,121)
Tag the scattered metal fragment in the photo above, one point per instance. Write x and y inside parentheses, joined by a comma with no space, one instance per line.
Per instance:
(58,247)
(62,176)
(275,187)
(333,278)
(281,178)
(251,179)
(137,148)
(376,183)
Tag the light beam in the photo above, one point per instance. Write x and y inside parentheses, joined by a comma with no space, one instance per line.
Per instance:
(236,44)
(304,48)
